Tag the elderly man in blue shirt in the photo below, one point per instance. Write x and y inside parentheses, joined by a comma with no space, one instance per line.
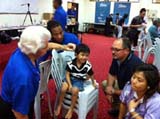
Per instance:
(21,76)
(60,14)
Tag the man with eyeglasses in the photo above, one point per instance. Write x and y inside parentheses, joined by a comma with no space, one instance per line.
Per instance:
(120,72)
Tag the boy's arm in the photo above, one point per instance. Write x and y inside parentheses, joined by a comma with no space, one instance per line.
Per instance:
(93,81)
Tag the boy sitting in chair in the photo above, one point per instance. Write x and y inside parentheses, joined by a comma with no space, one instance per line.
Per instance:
(77,71)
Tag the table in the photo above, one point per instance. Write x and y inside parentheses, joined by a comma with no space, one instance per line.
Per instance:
(97,27)
(15,30)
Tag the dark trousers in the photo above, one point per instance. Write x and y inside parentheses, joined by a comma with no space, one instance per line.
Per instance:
(133,36)
(6,110)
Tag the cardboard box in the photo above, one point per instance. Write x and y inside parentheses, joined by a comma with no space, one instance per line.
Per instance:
(47,16)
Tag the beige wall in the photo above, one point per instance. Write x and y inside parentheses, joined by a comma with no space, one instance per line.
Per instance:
(86,11)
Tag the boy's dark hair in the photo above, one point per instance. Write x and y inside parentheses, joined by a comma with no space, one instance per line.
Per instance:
(82,48)
(142,10)
(52,24)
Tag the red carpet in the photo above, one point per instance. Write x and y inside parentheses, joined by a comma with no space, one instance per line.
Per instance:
(6,51)
(100,58)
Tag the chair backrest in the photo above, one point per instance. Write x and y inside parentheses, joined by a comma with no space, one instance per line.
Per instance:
(148,40)
(58,66)
(154,50)
(45,68)
(157,54)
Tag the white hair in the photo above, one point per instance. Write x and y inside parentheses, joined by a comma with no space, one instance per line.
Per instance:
(33,38)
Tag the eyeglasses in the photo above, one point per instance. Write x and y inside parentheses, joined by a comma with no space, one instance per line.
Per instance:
(116,49)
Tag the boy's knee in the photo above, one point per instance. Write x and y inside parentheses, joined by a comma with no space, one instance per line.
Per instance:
(64,87)
(75,90)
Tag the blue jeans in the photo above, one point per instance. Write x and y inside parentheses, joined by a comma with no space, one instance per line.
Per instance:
(77,83)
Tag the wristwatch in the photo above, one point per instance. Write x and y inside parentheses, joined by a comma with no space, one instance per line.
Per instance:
(132,110)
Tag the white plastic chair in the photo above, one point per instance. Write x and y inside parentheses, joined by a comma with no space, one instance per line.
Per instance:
(86,99)
(154,50)
(144,43)
(45,68)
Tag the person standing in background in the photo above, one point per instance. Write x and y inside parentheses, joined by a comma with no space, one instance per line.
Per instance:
(117,18)
(109,26)
(60,14)
(120,25)
(137,25)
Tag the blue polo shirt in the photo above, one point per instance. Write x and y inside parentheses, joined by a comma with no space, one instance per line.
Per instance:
(124,71)
(70,38)
(60,16)
(67,38)
(20,82)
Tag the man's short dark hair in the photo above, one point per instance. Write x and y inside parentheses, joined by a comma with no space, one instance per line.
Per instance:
(82,48)
(59,2)
(142,10)
(52,24)
(126,43)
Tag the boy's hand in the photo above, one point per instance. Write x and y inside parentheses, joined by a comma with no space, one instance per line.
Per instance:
(70,87)
(95,85)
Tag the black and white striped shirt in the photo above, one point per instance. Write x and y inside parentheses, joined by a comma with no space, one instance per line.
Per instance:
(79,73)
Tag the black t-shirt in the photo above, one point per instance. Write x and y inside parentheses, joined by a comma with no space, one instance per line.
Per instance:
(136,21)
(121,22)
(124,71)
(108,20)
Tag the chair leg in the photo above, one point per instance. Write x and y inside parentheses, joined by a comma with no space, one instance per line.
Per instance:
(64,112)
(56,102)
(49,103)
(82,109)
(82,116)
(37,107)
(96,108)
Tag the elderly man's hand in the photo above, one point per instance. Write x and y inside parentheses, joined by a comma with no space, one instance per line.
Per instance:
(69,47)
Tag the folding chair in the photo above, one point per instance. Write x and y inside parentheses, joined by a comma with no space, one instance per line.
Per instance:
(45,68)
(87,99)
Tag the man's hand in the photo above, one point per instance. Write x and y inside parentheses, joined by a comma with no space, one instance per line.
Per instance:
(109,98)
(70,47)
(109,90)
